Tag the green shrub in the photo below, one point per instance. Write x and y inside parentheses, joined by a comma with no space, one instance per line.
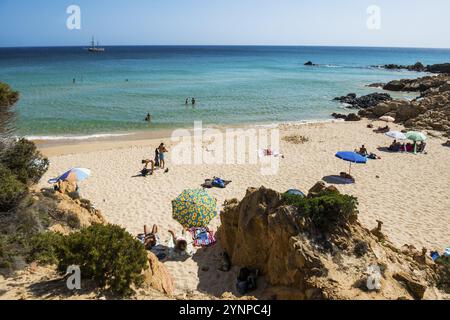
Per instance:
(106,254)
(45,247)
(327,210)
(444,273)
(8,97)
(23,159)
(11,190)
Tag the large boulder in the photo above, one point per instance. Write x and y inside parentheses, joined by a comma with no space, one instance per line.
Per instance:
(157,276)
(364,102)
(299,262)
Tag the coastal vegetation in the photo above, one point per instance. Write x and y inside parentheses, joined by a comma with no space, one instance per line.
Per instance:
(326,210)
(107,254)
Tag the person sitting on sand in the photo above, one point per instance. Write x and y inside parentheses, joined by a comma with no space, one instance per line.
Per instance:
(395,146)
(145,170)
(363,151)
(162,150)
(382,129)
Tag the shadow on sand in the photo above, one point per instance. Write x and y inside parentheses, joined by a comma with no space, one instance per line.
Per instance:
(335,179)
(215,282)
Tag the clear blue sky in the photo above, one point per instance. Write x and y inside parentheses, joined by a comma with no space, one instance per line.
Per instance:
(405,23)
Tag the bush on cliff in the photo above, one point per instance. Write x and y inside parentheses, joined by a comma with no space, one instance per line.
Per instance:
(11,189)
(444,273)
(106,254)
(24,160)
(326,210)
(8,97)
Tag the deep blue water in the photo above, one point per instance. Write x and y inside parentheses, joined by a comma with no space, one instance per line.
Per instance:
(114,90)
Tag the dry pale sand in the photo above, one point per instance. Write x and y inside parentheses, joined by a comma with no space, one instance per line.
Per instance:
(409,193)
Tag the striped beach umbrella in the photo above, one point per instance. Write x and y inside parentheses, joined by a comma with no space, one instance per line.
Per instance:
(73,175)
(194,208)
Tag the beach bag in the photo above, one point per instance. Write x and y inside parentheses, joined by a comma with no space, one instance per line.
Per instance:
(219,183)
(202,236)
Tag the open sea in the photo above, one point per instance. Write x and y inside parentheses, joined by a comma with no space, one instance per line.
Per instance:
(114,90)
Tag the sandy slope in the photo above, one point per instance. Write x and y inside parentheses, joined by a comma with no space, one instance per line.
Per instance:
(410,193)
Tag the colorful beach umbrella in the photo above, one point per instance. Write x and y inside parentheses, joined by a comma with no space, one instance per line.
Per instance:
(73,175)
(416,136)
(351,157)
(387,119)
(397,135)
(194,208)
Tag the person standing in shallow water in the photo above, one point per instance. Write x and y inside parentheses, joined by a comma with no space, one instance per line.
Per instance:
(193,101)
(187,101)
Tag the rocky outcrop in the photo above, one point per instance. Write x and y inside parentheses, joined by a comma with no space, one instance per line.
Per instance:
(66,213)
(346,117)
(157,276)
(419,67)
(363,102)
(349,262)
(429,111)
(310,63)
(416,85)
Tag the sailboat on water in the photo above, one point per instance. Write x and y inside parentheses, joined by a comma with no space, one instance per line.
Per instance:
(95,48)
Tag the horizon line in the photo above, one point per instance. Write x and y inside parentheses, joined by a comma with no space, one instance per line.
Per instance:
(225,45)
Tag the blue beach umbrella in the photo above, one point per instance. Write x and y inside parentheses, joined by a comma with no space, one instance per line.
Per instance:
(351,157)
(74,174)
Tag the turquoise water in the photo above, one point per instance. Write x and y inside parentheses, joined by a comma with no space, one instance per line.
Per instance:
(231,84)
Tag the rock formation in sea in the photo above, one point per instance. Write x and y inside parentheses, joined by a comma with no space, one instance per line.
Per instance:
(420,67)
(363,102)
(301,260)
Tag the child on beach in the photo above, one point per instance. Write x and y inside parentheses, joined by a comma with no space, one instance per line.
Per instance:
(179,246)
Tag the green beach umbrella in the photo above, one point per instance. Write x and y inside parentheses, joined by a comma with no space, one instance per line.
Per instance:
(415,136)
(194,208)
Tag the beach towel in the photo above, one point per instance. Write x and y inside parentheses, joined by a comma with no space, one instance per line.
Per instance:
(269,153)
(202,236)
(219,183)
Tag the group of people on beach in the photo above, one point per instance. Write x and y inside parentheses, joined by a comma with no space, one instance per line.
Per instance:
(407,147)
(193,101)
(157,162)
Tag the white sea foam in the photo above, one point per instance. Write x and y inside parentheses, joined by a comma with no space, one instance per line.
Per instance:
(85,137)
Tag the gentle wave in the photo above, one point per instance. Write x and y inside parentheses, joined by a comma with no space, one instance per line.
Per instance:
(87,137)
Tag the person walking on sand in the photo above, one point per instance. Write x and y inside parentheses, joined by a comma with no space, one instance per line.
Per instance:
(162,150)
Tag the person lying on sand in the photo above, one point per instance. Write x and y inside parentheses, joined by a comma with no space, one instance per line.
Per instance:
(180,245)
(145,171)
(152,242)
(382,129)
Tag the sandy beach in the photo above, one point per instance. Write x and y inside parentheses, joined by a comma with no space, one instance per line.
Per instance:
(409,193)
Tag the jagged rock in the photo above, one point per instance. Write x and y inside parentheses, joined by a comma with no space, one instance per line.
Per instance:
(262,232)
(363,102)
(346,117)
(439,68)
(408,111)
(419,67)
(157,276)
(415,287)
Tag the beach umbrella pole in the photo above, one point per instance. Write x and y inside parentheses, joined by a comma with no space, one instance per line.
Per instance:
(350,169)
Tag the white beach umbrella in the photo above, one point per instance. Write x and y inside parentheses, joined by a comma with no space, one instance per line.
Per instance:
(397,135)
(387,119)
